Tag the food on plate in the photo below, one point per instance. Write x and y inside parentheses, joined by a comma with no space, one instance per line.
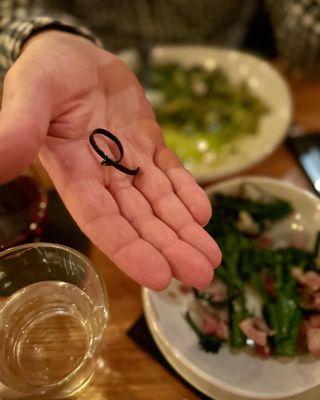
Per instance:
(266,294)
(201,111)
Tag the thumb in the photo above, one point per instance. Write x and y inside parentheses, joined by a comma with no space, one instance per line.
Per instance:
(24,121)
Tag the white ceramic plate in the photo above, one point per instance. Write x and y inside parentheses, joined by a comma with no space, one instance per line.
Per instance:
(263,80)
(228,376)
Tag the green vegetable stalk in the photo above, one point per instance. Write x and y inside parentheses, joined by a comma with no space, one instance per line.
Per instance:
(267,271)
(231,246)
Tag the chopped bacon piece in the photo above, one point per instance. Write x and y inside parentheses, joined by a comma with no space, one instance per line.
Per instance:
(218,291)
(314,321)
(245,223)
(262,351)
(223,315)
(260,324)
(302,338)
(315,302)
(313,339)
(184,289)
(250,329)
(299,240)
(304,326)
(270,286)
(298,274)
(223,331)
(311,279)
(212,326)
(265,242)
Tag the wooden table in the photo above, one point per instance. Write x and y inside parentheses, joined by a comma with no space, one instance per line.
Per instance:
(127,372)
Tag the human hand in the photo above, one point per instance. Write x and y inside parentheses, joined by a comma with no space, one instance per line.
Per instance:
(59,90)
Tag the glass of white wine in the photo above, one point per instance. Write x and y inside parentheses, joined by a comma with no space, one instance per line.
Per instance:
(53,315)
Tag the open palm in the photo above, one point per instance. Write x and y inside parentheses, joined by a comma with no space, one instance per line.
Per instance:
(60,89)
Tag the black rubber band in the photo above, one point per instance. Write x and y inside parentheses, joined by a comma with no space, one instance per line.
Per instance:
(106,159)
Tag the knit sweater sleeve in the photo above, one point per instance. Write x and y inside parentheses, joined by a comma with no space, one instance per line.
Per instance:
(20,19)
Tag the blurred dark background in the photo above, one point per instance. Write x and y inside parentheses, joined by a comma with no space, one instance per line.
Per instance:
(259,38)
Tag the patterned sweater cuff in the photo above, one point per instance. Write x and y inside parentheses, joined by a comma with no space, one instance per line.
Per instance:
(18,31)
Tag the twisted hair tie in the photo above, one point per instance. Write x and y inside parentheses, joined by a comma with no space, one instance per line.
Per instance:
(107,161)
